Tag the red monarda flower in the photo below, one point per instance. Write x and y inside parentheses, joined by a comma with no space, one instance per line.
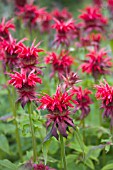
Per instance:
(58,107)
(70,79)
(28,56)
(45,22)
(4,28)
(105,94)
(30,13)
(83,101)
(62,15)
(60,63)
(97,2)
(25,85)
(98,64)
(10,48)
(92,40)
(93,19)
(110,7)
(63,30)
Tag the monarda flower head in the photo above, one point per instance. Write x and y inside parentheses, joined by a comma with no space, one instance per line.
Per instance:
(105,94)
(62,15)
(110,7)
(98,3)
(98,63)
(45,22)
(28,56)
(41,167)
(59,115)
(10,48)
(25,85)
(83,101)
(30,14)
(93,20)
(70,79)
(60,63)
(63,30)
(91,40)
(5,27)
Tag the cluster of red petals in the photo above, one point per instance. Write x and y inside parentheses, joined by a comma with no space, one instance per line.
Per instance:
(70,79)
(110,3)
(45,22)
(30,14)
(4,28)
(110,7)
(63,29)
(58,107)
(93,19)
(60,63)
(105,93)
(62,15)
(92,39)
(25,84)
(83,101)
(98,64)
(28,56)
(98,2)
(10,48)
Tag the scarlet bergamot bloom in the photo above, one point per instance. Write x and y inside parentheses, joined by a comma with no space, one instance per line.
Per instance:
(25,85)
(105,94)
(59,115)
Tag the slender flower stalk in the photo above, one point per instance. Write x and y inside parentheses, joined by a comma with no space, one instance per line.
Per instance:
(63,153)
(14,108)
(30,111)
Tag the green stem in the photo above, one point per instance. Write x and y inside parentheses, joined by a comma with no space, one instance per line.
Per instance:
(32,132)
(13,106)
(63,153)
(17,133)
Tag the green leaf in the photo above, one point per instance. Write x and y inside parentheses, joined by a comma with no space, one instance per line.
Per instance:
(107,148)
(90,164)
(9,165)
(108,167)
(4,145)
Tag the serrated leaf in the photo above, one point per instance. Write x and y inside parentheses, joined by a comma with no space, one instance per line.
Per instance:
(4,145)
(9,165)
(108,167)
